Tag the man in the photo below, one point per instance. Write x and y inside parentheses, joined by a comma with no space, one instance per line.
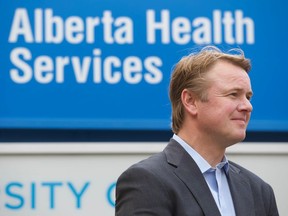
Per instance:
(210,93)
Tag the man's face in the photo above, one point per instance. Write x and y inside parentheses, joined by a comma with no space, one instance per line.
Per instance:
(225,116)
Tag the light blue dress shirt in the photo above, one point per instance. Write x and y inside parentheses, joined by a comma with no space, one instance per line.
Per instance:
(216,179)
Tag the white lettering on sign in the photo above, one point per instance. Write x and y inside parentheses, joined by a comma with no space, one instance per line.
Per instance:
(44,26)
(46,69)
(201,30)
(50,28)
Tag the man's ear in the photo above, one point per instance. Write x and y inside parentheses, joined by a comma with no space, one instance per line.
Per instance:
(189,100)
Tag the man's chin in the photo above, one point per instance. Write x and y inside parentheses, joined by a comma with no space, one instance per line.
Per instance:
(238,138)
(241,137)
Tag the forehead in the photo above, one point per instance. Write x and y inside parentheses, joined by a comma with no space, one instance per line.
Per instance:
(227,74)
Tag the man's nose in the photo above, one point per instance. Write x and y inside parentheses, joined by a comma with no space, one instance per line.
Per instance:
(245,105)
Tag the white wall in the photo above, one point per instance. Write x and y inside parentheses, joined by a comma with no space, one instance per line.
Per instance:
(78,178)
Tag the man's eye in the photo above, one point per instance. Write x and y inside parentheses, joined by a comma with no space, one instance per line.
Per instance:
(234,94)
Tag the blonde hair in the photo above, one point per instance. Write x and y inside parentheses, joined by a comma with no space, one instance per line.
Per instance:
(189,73)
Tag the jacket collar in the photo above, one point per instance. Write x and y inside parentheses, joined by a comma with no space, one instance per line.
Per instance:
(187,170)
(241,192)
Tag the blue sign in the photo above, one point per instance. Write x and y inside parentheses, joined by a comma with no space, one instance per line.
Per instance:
(106,64)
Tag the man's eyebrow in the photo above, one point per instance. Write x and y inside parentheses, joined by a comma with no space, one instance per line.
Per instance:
(250,92)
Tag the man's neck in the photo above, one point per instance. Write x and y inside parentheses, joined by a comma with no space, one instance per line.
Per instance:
(209,150)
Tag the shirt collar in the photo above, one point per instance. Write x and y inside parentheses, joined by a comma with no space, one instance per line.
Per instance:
(200,161)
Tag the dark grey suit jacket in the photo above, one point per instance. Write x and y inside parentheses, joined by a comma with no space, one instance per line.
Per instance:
(170,183)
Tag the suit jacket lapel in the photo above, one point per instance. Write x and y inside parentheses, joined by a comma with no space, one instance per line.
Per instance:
(241,192)
(187,170)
